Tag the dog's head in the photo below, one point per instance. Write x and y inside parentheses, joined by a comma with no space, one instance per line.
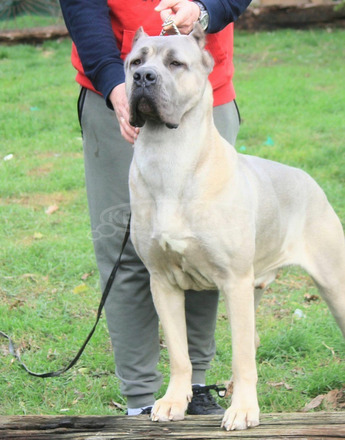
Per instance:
(166,76)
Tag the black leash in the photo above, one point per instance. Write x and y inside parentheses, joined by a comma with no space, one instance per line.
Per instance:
(105,294)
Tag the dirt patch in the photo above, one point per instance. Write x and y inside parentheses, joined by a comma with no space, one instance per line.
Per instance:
(41,170)
(38,201)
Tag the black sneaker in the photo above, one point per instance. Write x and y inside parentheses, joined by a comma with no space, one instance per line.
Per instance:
(146,410)
(202,401)
(143,411)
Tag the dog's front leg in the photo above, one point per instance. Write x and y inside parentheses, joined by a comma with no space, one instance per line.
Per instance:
(169,302)
(244,410)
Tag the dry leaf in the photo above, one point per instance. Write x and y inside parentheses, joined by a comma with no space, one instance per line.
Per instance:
(331,399)
(316,402)
(51,209)
(310,298)
(16,304)
(117,405)
(80,289)
(335,399)
(86,275)
(280,384)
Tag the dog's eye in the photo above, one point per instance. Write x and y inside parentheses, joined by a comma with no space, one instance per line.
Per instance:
(136,62)
(176,64)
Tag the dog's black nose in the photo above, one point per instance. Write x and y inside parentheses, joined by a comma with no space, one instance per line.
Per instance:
(145,77)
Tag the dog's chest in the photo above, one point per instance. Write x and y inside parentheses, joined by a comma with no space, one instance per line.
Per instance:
(184,261)
(168,242)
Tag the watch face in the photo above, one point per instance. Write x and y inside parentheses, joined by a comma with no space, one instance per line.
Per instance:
(203,20)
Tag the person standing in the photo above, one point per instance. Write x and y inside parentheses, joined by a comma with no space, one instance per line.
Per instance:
(102,32)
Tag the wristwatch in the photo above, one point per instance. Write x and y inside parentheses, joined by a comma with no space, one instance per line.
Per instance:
(204,17)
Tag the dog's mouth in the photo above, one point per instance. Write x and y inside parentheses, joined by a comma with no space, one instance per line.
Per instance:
(144,108)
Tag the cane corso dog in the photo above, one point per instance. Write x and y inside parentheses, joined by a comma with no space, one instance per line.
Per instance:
(206,217)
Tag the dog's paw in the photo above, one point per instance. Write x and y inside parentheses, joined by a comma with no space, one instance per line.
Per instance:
(240,418)
(165,410)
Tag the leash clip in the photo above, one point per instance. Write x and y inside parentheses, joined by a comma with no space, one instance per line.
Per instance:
(169,21)
(221,391)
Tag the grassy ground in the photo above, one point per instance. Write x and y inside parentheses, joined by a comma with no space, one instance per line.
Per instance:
(290,88)
(30,21)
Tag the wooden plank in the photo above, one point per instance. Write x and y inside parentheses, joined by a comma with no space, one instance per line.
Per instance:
(311,426)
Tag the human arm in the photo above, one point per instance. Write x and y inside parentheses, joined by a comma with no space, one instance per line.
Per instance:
(88,23)
(221,13)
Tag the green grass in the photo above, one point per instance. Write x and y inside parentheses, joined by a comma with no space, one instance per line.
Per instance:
(30,21)
(291,96)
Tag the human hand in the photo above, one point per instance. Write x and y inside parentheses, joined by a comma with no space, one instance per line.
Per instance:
(184,13)
(119,101)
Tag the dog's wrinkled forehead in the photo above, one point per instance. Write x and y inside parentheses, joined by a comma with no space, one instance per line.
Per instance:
(150,48)
(184,49)
(164,48)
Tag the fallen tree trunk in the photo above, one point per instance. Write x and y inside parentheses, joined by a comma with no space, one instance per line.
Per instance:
(297,17)
(35,35)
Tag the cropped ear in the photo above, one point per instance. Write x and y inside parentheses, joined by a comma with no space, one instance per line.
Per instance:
(199,35)
(139,34)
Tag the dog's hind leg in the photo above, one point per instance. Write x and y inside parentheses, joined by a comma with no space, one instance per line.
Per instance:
(325,262)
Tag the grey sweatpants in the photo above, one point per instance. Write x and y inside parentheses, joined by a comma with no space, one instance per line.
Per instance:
(130,314)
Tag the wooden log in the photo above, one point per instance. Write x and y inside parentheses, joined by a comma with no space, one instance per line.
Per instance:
(311,426)
(298,16)
(33,35)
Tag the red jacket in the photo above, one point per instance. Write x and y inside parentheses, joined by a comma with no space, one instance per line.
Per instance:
(128,16)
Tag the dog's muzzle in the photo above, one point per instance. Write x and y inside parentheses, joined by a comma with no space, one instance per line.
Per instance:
(144,99)
(145,77)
